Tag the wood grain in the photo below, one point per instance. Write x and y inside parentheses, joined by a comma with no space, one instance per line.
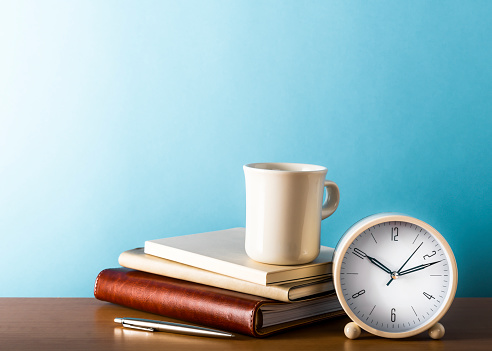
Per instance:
(87,324)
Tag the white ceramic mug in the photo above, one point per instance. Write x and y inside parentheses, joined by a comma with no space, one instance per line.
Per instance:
(284,209)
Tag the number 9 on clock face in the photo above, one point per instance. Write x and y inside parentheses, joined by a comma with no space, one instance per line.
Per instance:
(395,275)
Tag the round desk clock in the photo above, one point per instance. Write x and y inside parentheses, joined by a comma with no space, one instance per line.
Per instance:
(395,276)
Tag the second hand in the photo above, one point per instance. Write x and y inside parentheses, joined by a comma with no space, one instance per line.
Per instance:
(393,277)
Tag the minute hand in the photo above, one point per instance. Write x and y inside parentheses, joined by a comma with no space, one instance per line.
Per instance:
(418,268)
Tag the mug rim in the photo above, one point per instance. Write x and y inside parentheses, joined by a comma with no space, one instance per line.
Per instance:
(289,167)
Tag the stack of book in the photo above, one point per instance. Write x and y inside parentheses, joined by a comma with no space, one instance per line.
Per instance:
(208,279)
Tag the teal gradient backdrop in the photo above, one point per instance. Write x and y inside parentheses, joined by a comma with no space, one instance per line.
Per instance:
(122,121)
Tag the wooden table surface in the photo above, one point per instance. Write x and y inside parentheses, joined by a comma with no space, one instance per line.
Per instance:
(87,324)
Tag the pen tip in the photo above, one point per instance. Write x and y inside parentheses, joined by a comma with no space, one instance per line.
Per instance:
(118,320)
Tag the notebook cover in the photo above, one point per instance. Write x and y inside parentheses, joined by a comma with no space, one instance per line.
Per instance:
(192,302)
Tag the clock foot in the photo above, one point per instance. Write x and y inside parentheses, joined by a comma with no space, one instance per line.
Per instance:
(352,330)
(436,331)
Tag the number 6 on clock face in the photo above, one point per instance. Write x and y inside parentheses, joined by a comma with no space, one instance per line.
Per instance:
(395,275)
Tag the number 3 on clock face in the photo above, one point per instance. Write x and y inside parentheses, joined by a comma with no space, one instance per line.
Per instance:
(395,276)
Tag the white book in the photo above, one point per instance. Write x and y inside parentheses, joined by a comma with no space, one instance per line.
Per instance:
(287,292)
(223,252)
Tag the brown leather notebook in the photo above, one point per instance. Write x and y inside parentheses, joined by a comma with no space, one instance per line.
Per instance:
(209,306)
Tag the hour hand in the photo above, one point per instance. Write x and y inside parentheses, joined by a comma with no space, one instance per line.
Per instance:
(372,260)
(418,268)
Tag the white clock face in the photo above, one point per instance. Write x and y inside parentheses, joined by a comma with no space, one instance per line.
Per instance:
(396,276)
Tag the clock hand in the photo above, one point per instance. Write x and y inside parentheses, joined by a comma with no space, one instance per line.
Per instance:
(379,264)
(398,272)
(373,260)
(418,268)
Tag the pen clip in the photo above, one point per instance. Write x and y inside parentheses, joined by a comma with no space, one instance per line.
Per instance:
(139,328)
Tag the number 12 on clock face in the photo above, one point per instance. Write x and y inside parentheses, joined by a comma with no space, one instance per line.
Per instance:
(394,278)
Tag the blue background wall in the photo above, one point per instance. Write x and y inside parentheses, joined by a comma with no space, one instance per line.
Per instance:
(122,121)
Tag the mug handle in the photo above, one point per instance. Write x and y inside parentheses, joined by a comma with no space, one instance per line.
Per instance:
(332,199)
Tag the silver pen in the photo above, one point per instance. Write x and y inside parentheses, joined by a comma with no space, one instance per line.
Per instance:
(152,325)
